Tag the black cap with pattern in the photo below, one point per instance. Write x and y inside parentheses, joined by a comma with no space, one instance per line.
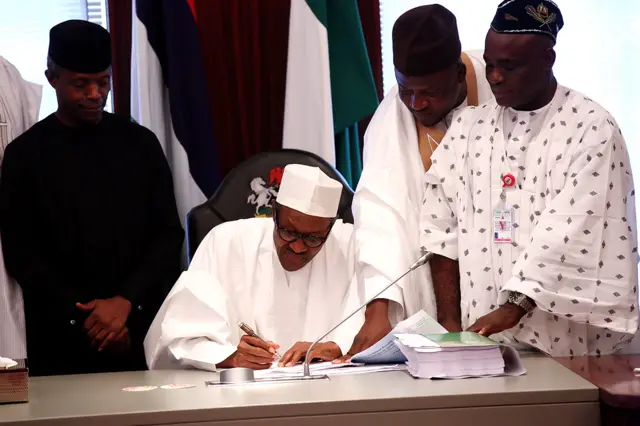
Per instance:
(528,17)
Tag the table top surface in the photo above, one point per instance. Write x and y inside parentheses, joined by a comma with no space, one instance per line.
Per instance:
(613,374)
(74,399)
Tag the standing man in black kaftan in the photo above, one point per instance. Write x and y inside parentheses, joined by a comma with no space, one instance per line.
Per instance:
(88,219)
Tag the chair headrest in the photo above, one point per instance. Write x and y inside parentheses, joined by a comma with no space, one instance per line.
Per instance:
(251,188)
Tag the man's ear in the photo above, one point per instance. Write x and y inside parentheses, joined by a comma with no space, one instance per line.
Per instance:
(550,57)
(51,78)
(462,72)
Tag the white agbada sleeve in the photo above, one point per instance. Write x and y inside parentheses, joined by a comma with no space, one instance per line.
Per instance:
(32,92)
(23,98)
(192,328)
(582,259)
(354,295)
(385,204)
(345,334)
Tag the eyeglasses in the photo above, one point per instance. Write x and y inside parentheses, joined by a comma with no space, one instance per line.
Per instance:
(311,241)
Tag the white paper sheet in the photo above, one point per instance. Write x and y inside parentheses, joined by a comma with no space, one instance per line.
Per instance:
(386,351)
(7,363)
(512,364)
(327,368)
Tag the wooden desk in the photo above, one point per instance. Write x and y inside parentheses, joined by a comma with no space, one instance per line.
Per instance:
(548,395)
(619,387)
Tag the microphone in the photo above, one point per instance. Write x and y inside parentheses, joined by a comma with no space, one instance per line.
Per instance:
(418,263)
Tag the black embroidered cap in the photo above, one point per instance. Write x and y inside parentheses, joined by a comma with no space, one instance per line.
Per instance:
(425,40)
(80,46)
(528,17)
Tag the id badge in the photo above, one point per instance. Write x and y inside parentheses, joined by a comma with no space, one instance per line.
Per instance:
(502,225)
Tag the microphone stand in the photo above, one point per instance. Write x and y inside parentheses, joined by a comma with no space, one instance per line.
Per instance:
(418,263)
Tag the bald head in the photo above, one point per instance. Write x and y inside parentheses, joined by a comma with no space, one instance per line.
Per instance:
(520,69)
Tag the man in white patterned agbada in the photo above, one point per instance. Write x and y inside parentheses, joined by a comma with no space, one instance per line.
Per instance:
(533,195)
(19,106)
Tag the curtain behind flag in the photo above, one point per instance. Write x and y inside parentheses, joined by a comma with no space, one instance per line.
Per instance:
(330,84)
(169,96)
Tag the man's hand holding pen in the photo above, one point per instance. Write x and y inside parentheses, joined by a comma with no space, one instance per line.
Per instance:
(253,353)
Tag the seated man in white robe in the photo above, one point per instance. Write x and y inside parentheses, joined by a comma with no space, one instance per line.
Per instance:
(434,78)
(290,278)
(532,198)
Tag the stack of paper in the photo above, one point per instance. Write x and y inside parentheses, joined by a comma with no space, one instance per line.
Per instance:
(386,351)
(457,355)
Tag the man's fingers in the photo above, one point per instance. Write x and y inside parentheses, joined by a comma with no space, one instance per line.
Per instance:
(257,352)
(122,336)
(257,359)
(297,355)
(94,331)
(323,355)
(116,326)
(97,319)
(286,357)
(107,341)
(482,329)
(102,335)
(474,328)
(252,365)
(90,322)
(86,306)
(273,346)
(486,331)
(343,359)
(259,343)
(356,347)
(320,354)
(115,338)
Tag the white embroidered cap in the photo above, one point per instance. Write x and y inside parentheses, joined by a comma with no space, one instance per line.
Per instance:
(309,190)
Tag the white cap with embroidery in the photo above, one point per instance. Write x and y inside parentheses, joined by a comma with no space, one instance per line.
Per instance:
(310,191)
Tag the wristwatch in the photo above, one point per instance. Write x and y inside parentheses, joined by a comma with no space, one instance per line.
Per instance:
(522,300)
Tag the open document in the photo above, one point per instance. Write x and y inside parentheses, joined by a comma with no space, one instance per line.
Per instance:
(327,368)
(387,352)
(383,356)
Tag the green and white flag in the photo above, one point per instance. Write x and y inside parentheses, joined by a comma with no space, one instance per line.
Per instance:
(330,85)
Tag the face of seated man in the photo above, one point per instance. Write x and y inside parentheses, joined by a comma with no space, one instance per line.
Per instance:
(298,237)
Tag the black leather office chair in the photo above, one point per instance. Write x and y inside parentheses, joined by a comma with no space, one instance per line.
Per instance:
(250,189)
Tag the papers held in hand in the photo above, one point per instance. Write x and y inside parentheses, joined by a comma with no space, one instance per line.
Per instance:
(385,351)
(457,355)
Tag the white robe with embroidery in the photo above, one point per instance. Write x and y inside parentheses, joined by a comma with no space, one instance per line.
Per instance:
(574,248)
(235,275)
(19,106)
(387,203)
